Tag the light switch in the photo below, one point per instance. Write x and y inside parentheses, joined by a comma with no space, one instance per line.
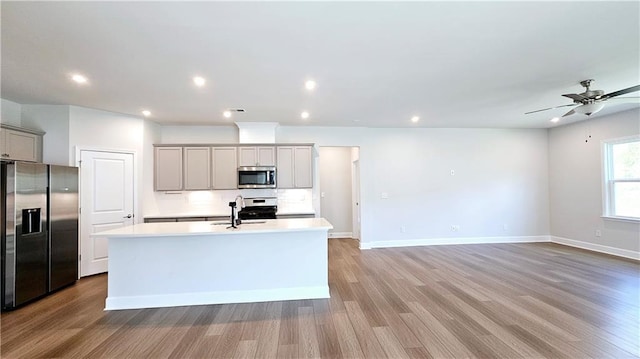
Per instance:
(321,194)
(384,195)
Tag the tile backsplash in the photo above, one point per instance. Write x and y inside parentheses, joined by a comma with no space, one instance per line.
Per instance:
(217,202)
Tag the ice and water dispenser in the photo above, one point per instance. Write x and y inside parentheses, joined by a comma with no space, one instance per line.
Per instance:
(31,222)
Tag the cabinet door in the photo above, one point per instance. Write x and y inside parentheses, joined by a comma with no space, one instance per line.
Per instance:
(225,168)
(303,168)
(247,156)
(21,146)
(284,167)
(197,168)
(168,169)
(266,156)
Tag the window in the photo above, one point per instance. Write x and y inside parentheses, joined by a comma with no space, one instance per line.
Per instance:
(621,168)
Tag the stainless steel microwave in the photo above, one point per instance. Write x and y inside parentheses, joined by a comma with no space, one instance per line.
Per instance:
(257,177)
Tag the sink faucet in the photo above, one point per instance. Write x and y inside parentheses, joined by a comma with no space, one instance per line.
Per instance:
(235,221)
(241,200)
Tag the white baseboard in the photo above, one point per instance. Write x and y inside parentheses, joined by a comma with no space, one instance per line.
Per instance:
(340,234)
(245,296)
(596,247)
(453,240)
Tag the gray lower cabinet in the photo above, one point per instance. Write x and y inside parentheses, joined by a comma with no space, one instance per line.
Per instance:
(285,216)
(184,219)
(159,220)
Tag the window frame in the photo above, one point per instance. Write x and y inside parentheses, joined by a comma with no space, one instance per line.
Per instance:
(608,182)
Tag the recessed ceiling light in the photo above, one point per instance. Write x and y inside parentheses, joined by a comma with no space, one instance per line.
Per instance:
(227,114)
(199,81)
(310,85)
(79,78)
(555,119)
(415,119)
(304,114)
(146,113)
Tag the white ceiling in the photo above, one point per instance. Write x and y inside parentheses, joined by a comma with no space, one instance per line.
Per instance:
(454,64)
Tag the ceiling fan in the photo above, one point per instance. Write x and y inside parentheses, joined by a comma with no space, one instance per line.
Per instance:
(590,101)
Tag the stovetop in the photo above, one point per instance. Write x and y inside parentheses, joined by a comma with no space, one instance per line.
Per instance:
(259,208)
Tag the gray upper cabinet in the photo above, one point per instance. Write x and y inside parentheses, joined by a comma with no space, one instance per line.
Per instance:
(225,167)
(257,156)
(20,145)
(197,168)
(168,169)
(295,167)
(303,167)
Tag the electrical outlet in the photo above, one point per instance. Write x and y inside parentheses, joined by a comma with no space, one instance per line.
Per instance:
(505,227)
(455,227)
(598,233)
(403,229)
(384,195)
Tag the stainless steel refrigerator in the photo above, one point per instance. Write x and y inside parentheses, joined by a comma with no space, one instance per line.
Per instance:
(39,230)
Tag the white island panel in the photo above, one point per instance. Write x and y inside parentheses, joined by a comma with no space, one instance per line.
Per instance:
(202,263)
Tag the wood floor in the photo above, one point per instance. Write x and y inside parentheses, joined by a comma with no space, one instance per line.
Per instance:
(486,301)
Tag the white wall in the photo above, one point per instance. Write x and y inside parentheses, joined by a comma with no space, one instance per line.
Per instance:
(199,134)
(575,183)
(102,130)
(10,112)
(152,135)
(501,178)
(54,121)
(335,188)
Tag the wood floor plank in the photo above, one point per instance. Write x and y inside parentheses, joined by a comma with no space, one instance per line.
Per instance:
(390,344)
(520,300)
(246,349)
(347,338)
(366,337)
(307,334)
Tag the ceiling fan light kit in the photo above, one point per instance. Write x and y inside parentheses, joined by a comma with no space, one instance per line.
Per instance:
(590,101)
(589,108)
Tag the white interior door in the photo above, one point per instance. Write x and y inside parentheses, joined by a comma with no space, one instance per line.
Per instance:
(106,195)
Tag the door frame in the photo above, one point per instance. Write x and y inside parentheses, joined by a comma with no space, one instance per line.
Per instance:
(76,162)
(356,216)
(354,187)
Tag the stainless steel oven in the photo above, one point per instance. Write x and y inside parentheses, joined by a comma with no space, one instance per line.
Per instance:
(257,177)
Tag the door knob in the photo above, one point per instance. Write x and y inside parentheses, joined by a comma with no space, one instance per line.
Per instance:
(128,216)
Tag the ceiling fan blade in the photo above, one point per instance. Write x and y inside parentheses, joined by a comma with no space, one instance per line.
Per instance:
(550,108)
(622,92)
(569,113)
(624,100)
(575,97)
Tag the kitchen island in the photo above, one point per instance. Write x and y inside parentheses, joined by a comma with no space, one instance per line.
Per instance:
(194,263)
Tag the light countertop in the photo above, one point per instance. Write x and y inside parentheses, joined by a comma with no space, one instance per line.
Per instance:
(217,228)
